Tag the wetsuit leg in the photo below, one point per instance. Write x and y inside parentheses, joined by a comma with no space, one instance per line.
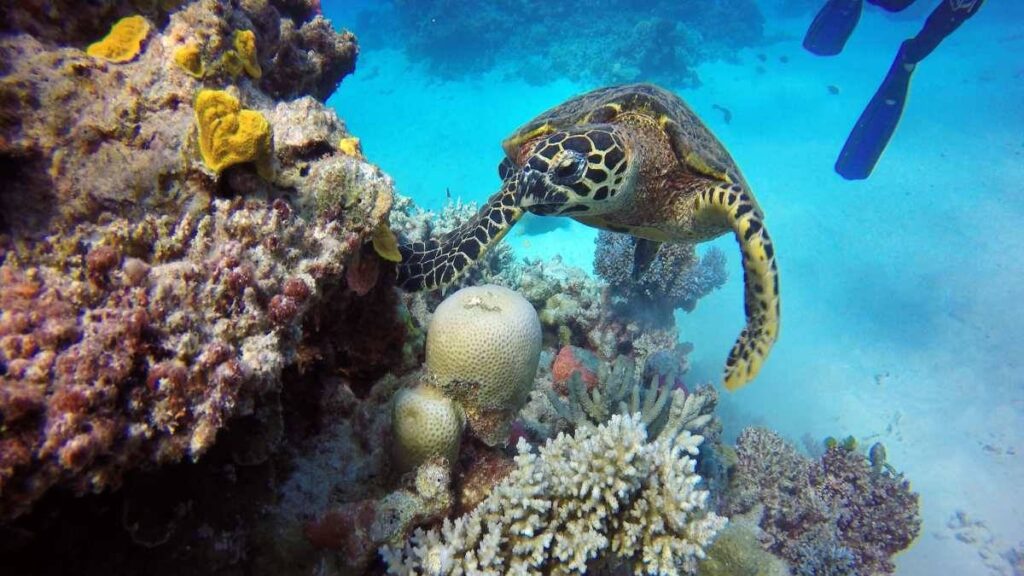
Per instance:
(876,124)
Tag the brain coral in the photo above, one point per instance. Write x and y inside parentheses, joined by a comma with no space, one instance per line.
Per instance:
(483,348)
(426,424)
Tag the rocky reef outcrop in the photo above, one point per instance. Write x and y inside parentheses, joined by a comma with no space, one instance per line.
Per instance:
(177,204)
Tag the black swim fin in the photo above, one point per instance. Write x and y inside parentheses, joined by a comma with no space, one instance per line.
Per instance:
(832,27)
(874,128)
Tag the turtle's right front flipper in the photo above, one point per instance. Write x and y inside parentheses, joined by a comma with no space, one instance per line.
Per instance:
(731,205)
(440,261)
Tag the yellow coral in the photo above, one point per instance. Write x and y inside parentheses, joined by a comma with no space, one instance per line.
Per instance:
(245,49)
(124,42)
(385,243)
(350,146)
(229,135)
(189,59)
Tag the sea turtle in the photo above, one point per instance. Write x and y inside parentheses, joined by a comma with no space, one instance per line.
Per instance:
(633,159)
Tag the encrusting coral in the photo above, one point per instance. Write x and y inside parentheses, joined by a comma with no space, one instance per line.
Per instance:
(124,41)
(483,348)
(606,493)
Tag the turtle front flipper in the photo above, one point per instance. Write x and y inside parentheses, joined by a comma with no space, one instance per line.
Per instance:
(439,262)
(732,205)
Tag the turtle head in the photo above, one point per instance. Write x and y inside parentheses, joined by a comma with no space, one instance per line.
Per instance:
(580,171)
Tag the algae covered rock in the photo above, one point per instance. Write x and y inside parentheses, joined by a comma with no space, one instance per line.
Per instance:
(149,301)
(483,349)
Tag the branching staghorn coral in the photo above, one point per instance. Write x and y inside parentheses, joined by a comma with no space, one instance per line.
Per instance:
(606,492)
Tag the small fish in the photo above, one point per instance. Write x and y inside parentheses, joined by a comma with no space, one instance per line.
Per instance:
(833,89)
(762,57)
(784,59)
(726,114)
(877,457)
(448,193)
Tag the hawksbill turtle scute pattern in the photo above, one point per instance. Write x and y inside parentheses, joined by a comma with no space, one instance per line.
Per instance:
(632,159)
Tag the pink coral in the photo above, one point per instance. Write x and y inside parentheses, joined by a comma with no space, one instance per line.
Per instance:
(571,360)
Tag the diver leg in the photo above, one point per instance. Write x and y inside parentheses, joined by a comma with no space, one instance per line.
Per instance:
(832,27)
(874,128)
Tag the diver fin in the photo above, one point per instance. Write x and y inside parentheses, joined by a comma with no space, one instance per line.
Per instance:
(644,252)
(832,27)
(874,128)
(440,261)
(733,205)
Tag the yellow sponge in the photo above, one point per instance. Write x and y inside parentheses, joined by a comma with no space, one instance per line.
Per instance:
(426,425)
(483,347)
(189,58)
(245,47)
(124,42)
(229,135)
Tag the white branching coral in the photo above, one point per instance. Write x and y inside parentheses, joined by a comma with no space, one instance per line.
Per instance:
(605,492)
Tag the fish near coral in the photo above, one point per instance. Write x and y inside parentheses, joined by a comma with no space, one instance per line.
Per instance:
(123,43)
(229,135)
(632,159)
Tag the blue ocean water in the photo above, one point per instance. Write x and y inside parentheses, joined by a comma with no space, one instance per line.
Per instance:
(901,294)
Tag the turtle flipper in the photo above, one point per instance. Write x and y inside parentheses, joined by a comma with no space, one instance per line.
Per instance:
(732,205)
(439,262)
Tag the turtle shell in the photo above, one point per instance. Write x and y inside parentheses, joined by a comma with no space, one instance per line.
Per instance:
(692,142)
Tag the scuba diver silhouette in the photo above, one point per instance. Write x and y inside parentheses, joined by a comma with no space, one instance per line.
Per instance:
(828,34)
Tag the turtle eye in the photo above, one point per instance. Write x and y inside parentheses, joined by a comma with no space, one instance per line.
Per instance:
(568,168)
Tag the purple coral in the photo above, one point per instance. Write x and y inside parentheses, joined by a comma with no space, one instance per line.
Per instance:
(837,505)
(676,278)
(876,514)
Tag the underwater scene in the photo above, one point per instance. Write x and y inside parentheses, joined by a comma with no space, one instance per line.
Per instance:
(362,287)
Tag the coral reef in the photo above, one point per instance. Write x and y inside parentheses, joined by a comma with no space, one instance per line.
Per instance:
(483,348)
(147,301)
(617,390)
(836,515)
(737,552)
(676,278)
(605,492)
(662,41)
(427,425)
